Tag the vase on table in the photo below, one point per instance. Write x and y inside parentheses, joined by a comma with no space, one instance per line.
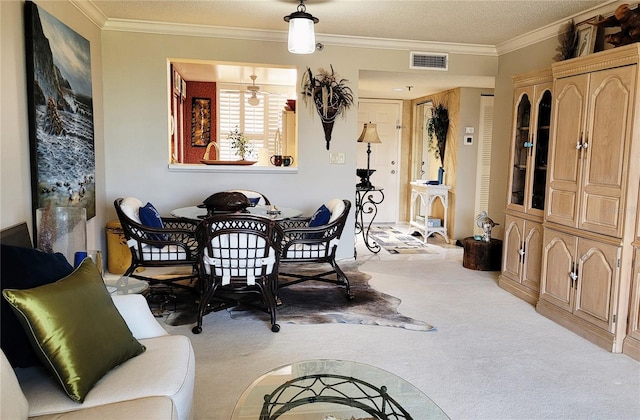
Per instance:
(440,175)
(62,229)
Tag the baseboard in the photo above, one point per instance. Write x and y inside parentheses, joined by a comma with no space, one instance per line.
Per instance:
(596,335)
(516,289)
(631,347)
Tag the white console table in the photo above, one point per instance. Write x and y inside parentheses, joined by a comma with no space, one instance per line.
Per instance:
(425,194)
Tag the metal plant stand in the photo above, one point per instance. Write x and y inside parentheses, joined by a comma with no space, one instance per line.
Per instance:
(367,203)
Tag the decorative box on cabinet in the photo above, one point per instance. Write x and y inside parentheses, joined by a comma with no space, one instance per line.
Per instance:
(589,227)
(531,125)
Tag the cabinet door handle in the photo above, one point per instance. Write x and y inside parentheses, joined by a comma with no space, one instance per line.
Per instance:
(521,252)
(578,145)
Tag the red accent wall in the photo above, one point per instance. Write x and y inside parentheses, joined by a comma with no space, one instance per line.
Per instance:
(193,154)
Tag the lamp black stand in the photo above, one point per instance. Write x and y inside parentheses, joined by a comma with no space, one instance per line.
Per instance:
(364,176)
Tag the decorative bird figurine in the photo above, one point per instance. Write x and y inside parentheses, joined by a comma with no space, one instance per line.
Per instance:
(629,22)
(483,221)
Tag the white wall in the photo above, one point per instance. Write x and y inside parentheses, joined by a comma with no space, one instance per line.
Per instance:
(136,131)
(467,162)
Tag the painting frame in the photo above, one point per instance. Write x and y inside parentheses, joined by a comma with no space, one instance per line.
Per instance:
(60,113)
(200,122)
(587,35)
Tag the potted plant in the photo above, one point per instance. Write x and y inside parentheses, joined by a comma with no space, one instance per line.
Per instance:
(330,95)
(240,143)
(437,128)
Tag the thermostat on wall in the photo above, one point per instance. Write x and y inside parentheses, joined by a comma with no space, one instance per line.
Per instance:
(468,140)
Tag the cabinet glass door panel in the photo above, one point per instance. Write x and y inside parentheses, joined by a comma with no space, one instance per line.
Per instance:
(543,127)
(522,145)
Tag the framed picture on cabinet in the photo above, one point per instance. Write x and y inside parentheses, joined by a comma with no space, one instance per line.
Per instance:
(587,35)
(200,122)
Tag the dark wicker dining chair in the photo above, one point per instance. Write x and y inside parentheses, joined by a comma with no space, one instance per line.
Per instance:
(239,255)
(314,245)
(173,244)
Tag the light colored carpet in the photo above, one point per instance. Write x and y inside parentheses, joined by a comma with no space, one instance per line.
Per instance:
(493,356)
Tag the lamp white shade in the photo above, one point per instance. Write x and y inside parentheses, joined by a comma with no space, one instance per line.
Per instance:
(302,37)
(369,134)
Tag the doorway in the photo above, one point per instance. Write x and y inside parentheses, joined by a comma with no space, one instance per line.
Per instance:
(387,115)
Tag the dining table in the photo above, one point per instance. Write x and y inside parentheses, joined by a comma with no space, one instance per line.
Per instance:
(270,212)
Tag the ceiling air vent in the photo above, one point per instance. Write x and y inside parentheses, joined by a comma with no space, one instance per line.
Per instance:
(431,61)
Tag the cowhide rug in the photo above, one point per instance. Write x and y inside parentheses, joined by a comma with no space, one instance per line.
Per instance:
(315,302)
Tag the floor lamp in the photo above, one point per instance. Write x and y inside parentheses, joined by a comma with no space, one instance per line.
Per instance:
(369,135)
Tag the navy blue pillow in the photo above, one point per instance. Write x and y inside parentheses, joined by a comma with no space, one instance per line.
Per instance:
(320,217)
(24,268)
(149,216)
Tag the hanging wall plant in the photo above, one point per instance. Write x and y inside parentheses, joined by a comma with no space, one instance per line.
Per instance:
(437,128)
(330,95)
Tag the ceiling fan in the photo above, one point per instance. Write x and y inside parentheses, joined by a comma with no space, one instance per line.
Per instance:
(253,100)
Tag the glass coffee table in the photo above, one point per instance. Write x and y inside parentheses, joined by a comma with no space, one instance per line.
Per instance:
(333,389)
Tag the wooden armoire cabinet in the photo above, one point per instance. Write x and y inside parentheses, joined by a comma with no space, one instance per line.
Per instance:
(590,209)
(522,246)
(631,344)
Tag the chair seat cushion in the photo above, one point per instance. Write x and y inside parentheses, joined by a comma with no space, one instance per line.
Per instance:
(166,368)
(307,251)
(166,253)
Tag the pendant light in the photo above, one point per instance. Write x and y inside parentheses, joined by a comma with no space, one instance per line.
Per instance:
(253,100)
(302,38)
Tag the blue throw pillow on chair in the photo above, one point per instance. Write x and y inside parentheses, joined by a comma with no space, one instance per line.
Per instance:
(149,216)
(320,217)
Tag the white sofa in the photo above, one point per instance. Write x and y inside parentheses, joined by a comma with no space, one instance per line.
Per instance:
(157,384)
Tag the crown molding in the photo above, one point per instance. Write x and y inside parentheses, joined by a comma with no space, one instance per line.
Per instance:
(89,9)
(167,28)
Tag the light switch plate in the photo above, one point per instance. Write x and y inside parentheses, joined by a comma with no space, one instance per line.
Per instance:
(469,130)
(337,158)
(468,140)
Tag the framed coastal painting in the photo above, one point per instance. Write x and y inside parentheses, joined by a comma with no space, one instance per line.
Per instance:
(60,108)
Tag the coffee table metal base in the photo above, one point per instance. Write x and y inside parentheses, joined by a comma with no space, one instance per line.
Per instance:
(337,388)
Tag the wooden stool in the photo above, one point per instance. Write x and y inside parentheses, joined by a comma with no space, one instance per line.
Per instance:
(481,255)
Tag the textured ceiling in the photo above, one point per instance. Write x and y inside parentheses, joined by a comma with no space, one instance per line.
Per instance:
(476,22)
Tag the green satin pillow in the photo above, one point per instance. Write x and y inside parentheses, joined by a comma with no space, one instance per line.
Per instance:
(75,328)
